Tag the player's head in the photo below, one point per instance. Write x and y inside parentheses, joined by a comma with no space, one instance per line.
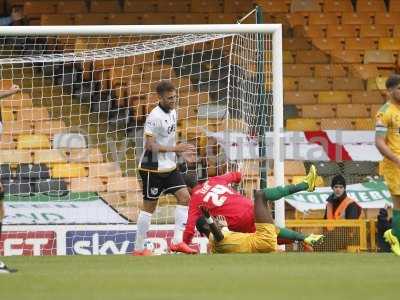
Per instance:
(338,185)
(167,94)
(393,87)
(190,181)
(202,227)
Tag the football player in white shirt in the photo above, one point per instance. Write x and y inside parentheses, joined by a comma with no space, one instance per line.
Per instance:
(158,170)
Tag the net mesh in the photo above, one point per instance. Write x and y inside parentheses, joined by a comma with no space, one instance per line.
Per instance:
(72,133)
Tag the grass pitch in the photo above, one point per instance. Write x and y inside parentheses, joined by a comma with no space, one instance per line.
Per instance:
(273,276)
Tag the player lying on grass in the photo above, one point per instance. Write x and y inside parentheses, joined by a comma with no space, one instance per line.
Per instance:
(222,200)
(222,240)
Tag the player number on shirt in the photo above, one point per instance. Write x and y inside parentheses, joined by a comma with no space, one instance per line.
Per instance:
(215,195)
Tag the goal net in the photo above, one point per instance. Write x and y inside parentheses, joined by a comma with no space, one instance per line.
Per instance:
(73,108)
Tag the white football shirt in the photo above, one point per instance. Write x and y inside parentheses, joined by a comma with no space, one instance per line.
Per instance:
(162,126)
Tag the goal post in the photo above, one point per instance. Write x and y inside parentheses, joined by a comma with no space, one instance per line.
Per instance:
(86,90)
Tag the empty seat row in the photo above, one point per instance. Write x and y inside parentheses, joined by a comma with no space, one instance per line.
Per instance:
(338,110)
(304,124)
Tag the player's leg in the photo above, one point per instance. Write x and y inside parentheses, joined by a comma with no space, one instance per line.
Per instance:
(392,177)
(175,185)
(151,192)
(276,193)
(3,267)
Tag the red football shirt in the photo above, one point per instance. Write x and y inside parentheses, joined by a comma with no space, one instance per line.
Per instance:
(220,199)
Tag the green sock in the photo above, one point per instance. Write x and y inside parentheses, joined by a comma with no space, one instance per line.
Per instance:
(276,193)
(285,233)
(396,223)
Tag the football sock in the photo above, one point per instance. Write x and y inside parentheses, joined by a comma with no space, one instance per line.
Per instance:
(143,225)
(276,193)
(285,233)
(181,214)
(396,223)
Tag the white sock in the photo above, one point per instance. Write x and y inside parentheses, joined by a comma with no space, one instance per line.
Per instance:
(181,215)
(143,225)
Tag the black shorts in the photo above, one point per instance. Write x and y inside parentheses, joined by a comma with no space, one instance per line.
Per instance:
(156,183)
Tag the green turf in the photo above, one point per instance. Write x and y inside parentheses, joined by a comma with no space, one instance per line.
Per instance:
(274,276)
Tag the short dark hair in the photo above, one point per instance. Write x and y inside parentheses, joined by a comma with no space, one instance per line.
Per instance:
(338,180)
(392,81)
(164,86)
(190,180)
(200,226)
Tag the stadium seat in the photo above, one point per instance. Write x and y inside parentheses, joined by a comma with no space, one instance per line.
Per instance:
(91,19)
(123,19)
(32,171)
(15,156)
(289,84)
(364,124)
(5,84)
(314,84)
(330,70)
(214,6)
(7,114)
(87,184)
(312,57)
(318,111)
(302,124)
(156,18)
(109,169)
(298,43)
(293,168)
(337,124)
(22,188)
(374,109)
(333,97)
(90,155)
(346,83)
(367,97)
(305,6)
(192,18)
(299,97)
(35,141)
(311,31)
(123,184)
(17,100)
(297,70)
(104,6)
(378,31)
(347,56)
(394,6)
(56,20)
(222,18)
(6,172)
(17,127)
(140,6)
(356,18)
(237,6)
(361,43)
(379,57)
(68,170)
(341,31)
(328,44)
(49,127)
(288,57)
(370,6)
(273,6)
(36,8)
(173,6)
(389,43)
(69,140)
(323,18)
(338,6)
(33,113)
(7,142)
(363,71)
(72,7)
(50,156)
(352,111)
(377,83)
(292,20)
(387,18)
(51,187)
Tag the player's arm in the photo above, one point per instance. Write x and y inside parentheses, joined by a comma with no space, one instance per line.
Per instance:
(193,214)
(152,145)
(14,89)
(218,235)
(381,129)
(231,177)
